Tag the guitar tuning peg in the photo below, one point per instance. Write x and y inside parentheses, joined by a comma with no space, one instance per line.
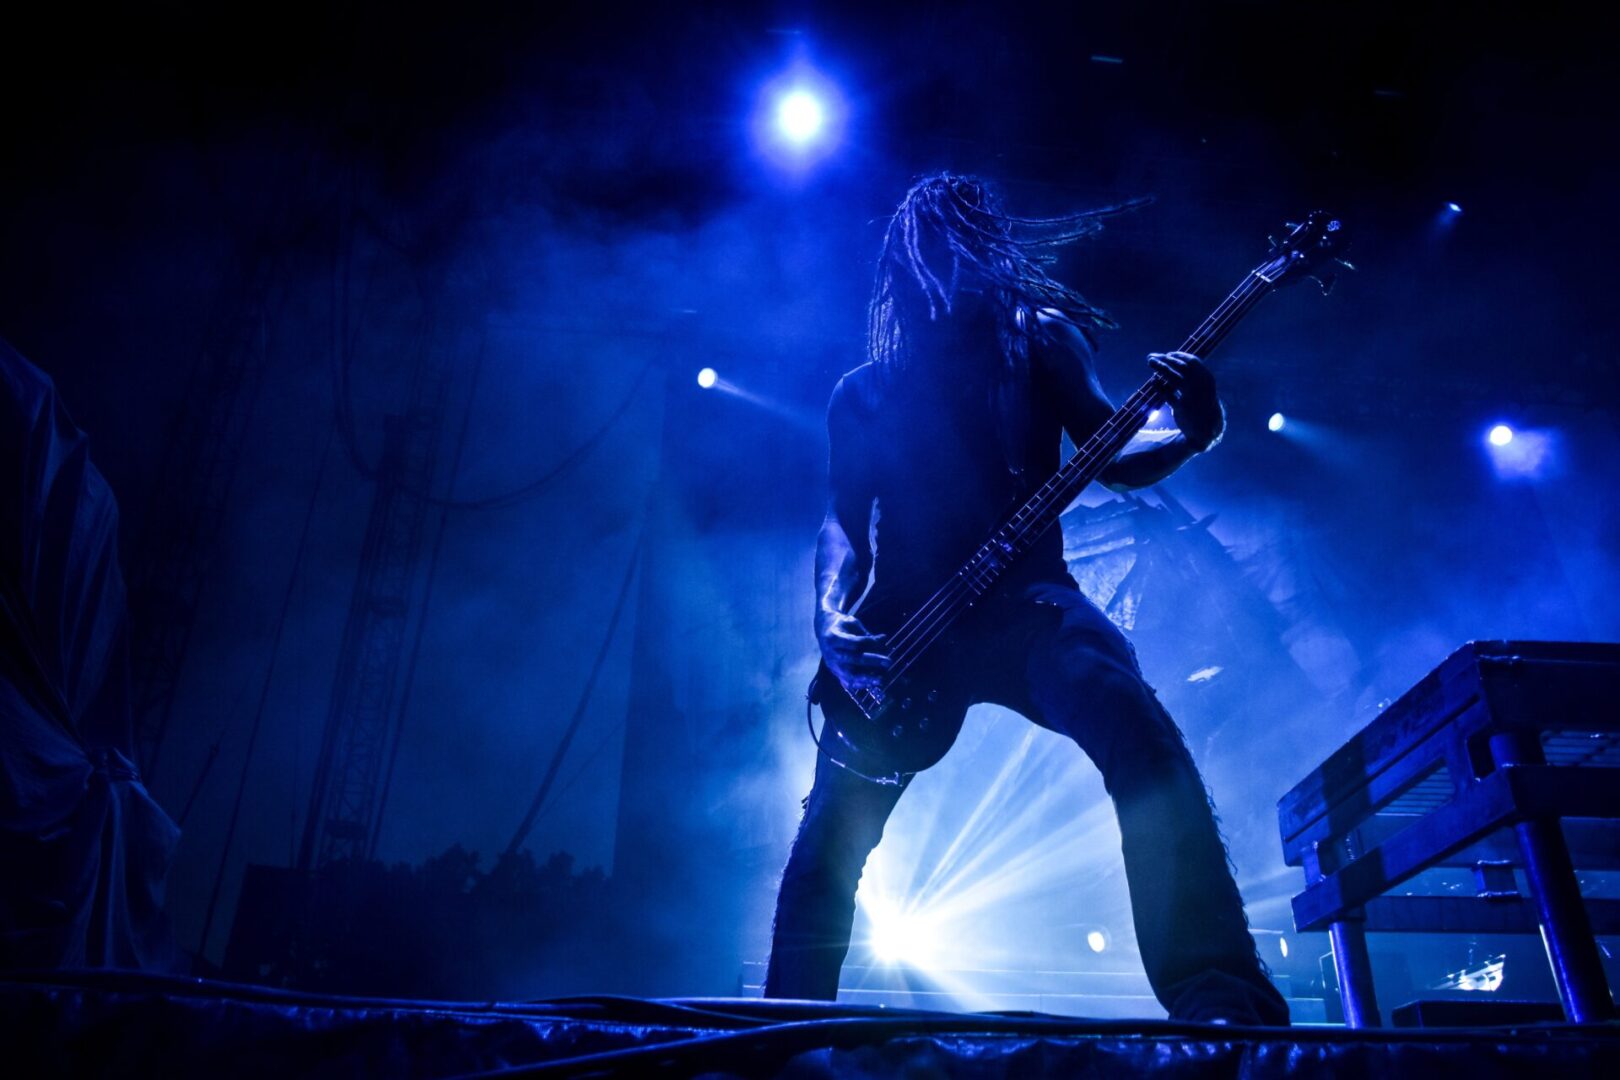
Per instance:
(1346,263)
(1290,225)
(1272,242)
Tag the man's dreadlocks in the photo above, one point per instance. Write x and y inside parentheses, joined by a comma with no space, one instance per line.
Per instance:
(1006,254)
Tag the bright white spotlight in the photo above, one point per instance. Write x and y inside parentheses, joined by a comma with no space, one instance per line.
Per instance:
(902,939)
(1096,941)
(1276,422)
(1282,944)
(1454,207)
(800,116)
(1153,417)
(1521,453)
(708,377)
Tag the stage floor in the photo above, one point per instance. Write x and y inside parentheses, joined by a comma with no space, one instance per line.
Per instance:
(113,1024)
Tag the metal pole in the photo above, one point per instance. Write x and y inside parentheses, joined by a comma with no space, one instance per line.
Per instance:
(1566,930)
(1353,966)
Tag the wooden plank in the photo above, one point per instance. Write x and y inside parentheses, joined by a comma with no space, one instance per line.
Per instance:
(1482,809)
(1593,844)
(1375,791)
(1552,695)
(1545,685)
(1415,716)
(1506,795)
(1472,915)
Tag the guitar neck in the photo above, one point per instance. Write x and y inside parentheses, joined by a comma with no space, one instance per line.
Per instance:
(1042,509)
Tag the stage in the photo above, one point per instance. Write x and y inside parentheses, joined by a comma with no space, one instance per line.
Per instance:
(112,1024)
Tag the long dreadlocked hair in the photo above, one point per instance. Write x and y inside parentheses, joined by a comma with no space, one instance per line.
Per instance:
(1008,255)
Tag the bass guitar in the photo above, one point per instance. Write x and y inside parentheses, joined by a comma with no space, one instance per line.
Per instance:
(911,717)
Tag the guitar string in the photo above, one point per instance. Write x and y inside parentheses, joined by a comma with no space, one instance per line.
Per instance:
(945,606)
(926,623)
(1035,516)
(1064,477)
(1099,449)
(1017,526)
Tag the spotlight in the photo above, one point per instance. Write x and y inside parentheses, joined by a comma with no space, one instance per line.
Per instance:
(800,115)
(707,378)
(798,119)
(1282,944)
(1097,941)
(1521,453)
(1153,416)
(1276,422)
(900,939)
(1455,208)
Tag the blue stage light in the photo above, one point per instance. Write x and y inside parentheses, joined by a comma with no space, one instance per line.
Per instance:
(1521,453)
(799,119)
(1276,422)
(1096,941)
(800,116)
(1455,208)
(708,377)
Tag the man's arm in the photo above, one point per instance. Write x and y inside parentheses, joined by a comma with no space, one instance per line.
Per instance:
(844,558)
(1085,407)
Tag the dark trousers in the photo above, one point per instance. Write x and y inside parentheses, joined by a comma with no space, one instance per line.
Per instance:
(1050,654)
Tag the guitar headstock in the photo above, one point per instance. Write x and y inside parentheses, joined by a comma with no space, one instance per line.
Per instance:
(1310,249)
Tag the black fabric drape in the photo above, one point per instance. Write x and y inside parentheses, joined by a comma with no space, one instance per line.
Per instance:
(83,847)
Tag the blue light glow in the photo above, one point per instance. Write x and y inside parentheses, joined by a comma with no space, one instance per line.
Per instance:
(901,936)
(707,378)
(1455,208)
(1521,453)
(1276,422)
(1096,941)
(800,116)
(798,120)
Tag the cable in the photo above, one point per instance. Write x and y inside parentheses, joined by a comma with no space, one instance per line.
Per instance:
(569,460)
(522,833)
(264,687)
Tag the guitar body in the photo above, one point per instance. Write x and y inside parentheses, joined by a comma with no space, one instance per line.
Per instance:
(915,723)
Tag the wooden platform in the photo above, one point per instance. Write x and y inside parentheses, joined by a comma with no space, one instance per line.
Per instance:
(1505,759)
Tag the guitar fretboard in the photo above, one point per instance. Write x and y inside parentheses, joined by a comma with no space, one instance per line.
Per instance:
(1043,508)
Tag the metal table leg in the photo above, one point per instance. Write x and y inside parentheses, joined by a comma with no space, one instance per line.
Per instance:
(1354,968)
(1566,931)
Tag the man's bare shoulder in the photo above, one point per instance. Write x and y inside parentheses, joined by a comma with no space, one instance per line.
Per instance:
(1057,328)
(855,392)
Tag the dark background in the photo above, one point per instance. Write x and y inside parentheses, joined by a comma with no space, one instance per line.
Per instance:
(580,198)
